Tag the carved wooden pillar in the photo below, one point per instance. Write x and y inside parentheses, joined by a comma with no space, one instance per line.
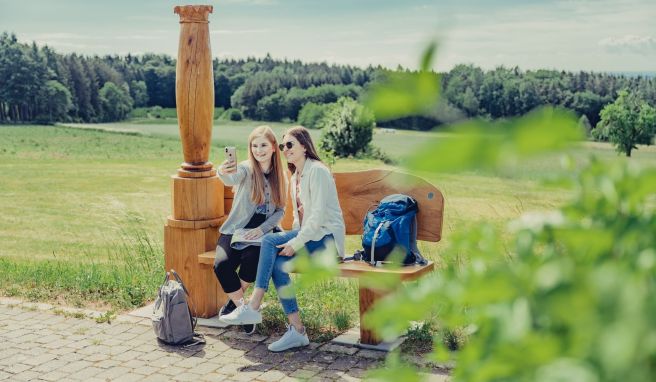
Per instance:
(197,193)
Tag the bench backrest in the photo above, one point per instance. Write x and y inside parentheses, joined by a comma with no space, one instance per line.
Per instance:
(361,191)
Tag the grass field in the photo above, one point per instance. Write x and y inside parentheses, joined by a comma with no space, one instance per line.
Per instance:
(83,208)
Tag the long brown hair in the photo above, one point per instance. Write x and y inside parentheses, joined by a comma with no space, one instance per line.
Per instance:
(277,177)
(303,137)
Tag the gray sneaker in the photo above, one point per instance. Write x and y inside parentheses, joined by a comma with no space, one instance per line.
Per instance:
(291,339)
(242,315)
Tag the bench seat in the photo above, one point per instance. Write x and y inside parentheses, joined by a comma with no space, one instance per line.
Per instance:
(354,269)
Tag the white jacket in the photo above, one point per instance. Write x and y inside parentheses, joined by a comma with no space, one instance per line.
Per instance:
(321,212)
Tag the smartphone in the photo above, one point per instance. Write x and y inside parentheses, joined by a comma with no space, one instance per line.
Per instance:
(231,154)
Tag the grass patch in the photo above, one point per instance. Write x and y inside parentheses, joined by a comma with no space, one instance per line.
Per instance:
(84,210)
(106,317)
(419,338)
(128,278)
(327,309)
(61,312)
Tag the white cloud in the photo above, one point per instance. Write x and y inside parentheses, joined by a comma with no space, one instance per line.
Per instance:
(629,43)
(237,32)
(250,2)
(158,19)
(63,36)
(139,37)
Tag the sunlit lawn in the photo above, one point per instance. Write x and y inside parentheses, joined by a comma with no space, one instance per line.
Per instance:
(69,192)
(73,194)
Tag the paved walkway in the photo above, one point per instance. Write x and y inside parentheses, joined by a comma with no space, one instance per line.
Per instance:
(45,343)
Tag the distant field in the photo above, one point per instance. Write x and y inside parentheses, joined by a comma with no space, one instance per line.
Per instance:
(69,192)
(397,144)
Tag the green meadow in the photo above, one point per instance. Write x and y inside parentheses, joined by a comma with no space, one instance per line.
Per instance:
(83,209)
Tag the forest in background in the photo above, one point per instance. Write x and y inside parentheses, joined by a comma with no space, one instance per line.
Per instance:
(37,84)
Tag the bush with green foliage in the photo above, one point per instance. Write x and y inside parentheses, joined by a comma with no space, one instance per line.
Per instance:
(232,114)
(558,296)
(566,295)
(311,114)
(139,112)
(570,299)
(348,128)
(156,111)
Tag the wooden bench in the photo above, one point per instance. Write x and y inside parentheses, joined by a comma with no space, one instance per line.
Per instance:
(358,192)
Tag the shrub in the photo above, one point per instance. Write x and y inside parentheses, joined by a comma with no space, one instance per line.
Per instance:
(139,112)
(169,112)
(348,128)
(156,111)
(311,115)
(233,114)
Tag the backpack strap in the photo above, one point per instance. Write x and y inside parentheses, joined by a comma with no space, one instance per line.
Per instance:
(373,243)
(158,300)
(198,339)
(419,259)
(178,279)
(194,320)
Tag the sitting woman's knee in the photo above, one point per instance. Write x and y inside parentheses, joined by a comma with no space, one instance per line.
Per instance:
(269,239)
(220,257)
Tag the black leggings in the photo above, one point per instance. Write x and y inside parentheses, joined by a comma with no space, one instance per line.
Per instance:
(227,261)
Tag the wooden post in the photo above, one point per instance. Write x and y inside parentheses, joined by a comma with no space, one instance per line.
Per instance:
(196,192)
(368,298)
(194,86)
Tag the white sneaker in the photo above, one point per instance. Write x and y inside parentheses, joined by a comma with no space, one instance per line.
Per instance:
(242,315)
(291,339)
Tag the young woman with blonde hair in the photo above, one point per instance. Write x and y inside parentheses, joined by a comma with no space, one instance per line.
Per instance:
(260,193)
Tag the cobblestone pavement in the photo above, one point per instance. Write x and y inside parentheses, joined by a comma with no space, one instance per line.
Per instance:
(45,343)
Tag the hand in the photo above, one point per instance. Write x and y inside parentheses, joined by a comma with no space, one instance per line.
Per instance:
(253,234)
(286,250)
(228,167)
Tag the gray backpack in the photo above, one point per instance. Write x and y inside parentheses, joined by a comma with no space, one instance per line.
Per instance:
(173,322)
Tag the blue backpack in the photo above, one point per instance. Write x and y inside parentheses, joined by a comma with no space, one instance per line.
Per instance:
(393,224)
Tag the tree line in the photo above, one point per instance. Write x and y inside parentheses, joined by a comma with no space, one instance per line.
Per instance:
(38,84)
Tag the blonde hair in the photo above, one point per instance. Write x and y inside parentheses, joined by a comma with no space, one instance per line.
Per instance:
(277,176)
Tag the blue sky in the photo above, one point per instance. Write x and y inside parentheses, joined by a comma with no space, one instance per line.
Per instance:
(595,35)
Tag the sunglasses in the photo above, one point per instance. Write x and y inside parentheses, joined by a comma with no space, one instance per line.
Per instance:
(289,145)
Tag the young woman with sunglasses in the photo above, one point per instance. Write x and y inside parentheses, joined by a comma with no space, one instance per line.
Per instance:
(259,203)
(318,225)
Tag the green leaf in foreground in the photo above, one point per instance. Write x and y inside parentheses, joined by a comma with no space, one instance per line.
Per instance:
(427,56)
(404,93)
(480,144)
(321,266)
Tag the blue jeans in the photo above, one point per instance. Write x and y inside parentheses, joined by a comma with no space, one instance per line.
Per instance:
(270,265)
